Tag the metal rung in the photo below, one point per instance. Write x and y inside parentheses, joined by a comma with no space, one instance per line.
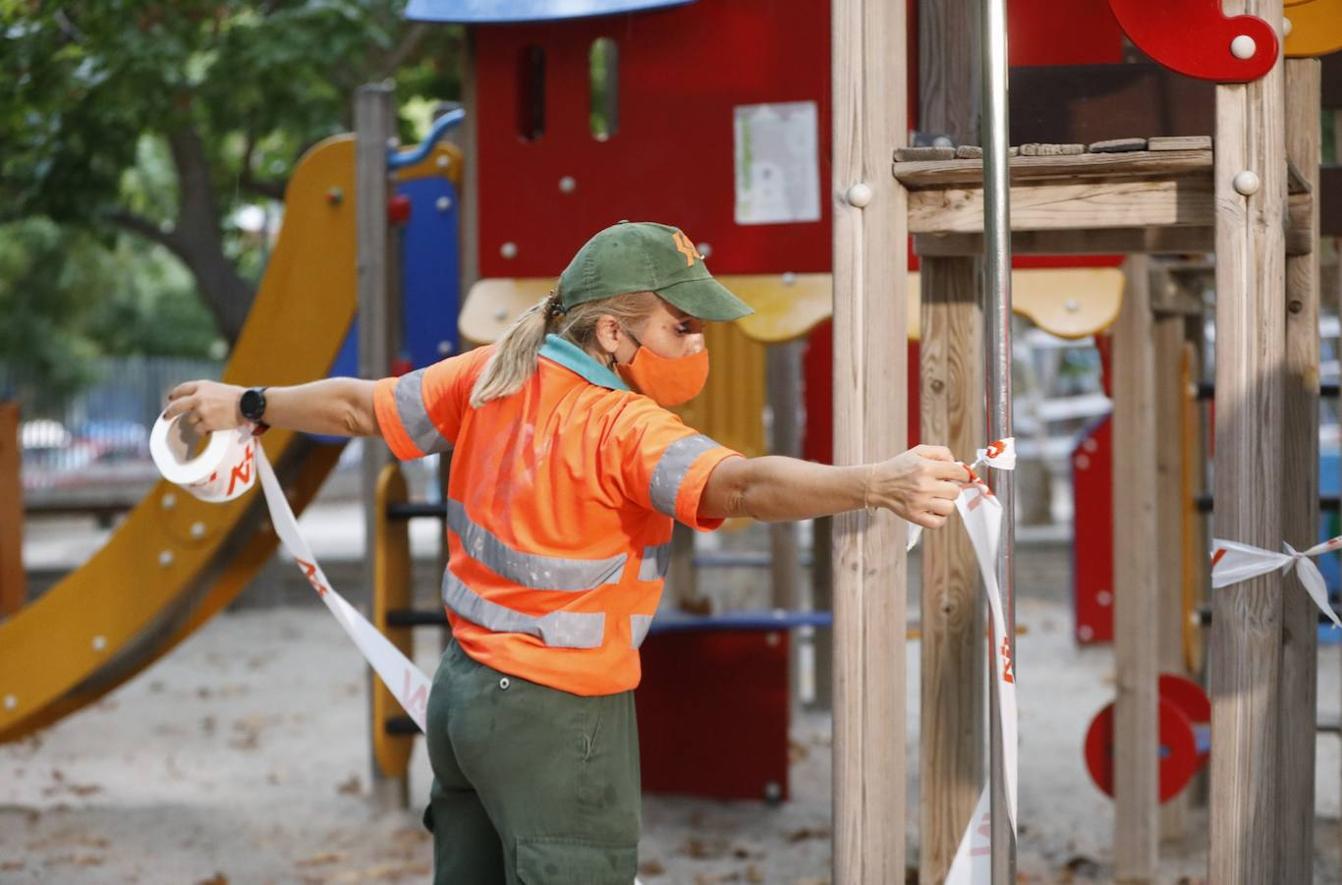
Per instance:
(409,617)
(417,509)
(400,726)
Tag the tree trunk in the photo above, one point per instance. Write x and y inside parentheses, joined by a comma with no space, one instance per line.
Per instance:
(197,237)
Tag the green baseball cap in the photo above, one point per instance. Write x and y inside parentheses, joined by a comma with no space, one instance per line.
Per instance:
(643,256)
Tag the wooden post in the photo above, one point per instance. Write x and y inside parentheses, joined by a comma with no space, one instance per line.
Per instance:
(1298,682)
(951,731)
(953,667)
(1250,361)
(372,129)
(870,117)
(13,582)
(1136,582)
(1167,427)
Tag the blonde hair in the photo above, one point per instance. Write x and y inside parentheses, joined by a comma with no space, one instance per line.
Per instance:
(514,358)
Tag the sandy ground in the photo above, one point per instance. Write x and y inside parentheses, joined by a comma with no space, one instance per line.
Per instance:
(242,757)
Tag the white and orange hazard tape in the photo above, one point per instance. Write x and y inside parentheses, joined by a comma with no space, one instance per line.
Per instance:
(223,471)
(981,512)
(1233,562)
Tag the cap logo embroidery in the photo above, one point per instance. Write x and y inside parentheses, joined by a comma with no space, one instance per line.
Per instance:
(685,247)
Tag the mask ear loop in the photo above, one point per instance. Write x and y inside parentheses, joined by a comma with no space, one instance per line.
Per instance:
(639,344)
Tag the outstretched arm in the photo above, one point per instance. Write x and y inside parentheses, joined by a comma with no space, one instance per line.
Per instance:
(334,406)
(920,486)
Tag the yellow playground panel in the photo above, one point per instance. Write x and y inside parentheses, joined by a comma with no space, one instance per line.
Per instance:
(1315,28)
(175,561)
(1068,302)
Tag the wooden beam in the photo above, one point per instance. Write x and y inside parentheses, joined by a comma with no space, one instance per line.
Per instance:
(1136,583)
(13,581)
(1092,205)
(1297,690)
(952,701)
(1113,241)
(953,666)
(1109,167)
(1168,334)
(870,119)
(376,263)
(1250,342)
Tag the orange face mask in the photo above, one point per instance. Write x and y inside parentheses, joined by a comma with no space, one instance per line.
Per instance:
(669,381)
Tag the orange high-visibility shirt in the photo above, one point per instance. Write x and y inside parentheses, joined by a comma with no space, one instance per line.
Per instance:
(559,513)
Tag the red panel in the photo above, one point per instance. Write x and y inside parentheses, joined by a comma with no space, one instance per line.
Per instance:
(681,72)
(713,714)
(1193,37)
(817,442)
(1077,32)
(1093,543)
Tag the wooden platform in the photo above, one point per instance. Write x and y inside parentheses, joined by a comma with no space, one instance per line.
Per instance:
(1144,201)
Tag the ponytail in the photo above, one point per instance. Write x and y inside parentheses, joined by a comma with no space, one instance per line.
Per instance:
(514,358)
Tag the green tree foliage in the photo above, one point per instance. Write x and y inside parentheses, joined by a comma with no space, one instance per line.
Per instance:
(67,298)
(161,117)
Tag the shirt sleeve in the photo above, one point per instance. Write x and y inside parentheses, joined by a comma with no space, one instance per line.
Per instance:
(664,464)
(420,413)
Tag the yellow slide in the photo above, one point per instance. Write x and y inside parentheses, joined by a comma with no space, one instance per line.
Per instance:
(175,561)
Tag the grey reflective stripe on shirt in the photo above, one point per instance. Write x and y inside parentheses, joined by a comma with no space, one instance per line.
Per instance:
(655,562)
(415,417)
(530,570)
(672,467)
(638,628)
(558,629)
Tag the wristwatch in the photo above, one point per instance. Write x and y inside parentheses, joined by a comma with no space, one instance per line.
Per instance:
(252,405)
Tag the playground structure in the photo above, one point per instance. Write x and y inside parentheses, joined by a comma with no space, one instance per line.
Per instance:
(1173,193)
(187,559)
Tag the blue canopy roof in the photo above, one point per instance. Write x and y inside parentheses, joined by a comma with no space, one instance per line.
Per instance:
(479,12)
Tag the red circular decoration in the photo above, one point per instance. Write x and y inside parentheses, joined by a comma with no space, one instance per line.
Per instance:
(1193,37)
(1178,750)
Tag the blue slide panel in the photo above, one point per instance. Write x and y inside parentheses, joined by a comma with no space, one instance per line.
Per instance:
(430,281)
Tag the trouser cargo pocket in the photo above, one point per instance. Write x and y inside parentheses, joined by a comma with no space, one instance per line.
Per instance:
(557,860)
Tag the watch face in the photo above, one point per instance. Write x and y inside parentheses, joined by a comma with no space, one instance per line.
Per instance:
(253,404)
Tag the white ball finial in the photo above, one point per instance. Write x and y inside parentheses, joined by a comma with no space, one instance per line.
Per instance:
(1243,47)
(1247,183)
(859,195)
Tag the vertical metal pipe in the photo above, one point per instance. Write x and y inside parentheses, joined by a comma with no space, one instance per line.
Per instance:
(997,313)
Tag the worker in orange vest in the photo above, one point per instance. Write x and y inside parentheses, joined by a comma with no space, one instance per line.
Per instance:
(567,472)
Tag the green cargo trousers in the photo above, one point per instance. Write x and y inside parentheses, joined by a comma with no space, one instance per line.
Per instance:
(530,784)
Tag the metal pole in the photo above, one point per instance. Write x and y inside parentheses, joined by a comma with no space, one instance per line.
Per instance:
(997,312)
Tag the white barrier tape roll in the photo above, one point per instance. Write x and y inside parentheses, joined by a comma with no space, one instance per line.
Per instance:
(222,471)
(1233,562)
(406,682)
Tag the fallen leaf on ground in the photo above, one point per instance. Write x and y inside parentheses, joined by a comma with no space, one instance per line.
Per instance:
(805,833)
(351,787)
(317,860)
